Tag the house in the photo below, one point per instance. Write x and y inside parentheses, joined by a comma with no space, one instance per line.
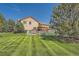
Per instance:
(31,24)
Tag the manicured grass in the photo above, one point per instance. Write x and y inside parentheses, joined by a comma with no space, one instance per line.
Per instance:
(34,45)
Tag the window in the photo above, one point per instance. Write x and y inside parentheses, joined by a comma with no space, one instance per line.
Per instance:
(29,23)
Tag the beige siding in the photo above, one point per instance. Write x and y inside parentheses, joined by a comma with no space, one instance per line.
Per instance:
(28,26)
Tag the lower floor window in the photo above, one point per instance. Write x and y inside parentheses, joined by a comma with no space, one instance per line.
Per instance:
(34,28)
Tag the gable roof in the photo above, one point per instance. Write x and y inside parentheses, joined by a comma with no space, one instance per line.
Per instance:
(33,19)
(29,17)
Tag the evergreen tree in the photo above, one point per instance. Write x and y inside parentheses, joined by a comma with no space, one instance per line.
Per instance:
(19,27)
(66,19)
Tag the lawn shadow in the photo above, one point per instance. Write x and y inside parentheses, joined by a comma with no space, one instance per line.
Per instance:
(52,38)
(60,39)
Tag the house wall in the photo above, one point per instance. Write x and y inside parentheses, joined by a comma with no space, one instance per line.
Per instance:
(28,26)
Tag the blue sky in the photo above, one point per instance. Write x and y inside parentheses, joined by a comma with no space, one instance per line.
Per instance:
(40,11)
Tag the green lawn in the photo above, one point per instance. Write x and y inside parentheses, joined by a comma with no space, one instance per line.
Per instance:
(34,45)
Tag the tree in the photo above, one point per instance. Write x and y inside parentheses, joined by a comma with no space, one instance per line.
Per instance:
(66,19)
(2,22)
(51,23)
(19,27)
(10,25)
(5,26)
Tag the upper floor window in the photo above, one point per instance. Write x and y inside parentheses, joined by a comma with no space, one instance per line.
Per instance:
(29,23)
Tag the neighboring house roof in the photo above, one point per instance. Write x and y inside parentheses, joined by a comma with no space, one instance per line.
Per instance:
(34,19)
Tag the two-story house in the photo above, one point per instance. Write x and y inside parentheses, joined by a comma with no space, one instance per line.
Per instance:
(32,24)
